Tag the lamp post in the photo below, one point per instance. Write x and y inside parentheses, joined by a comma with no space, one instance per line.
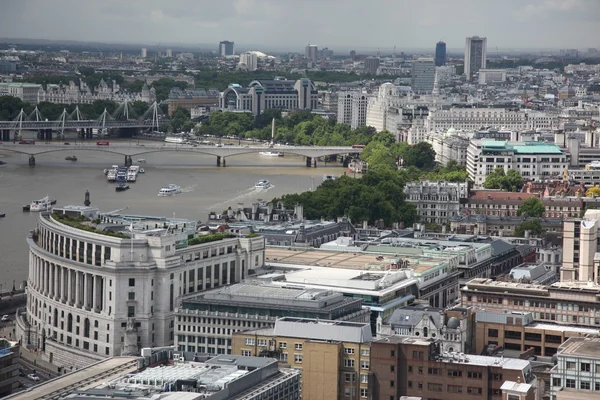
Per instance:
(312,187)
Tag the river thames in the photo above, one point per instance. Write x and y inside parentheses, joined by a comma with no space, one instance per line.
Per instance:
(205,188)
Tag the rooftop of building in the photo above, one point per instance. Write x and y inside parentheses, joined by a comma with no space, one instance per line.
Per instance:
(363,282)
(286,228)
(522,148)
(315,329)
(486,284)
(267,295)
(85,378)
(126,226)
(494,196)
(588,347)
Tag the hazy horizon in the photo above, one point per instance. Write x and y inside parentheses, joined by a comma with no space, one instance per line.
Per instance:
(285,25)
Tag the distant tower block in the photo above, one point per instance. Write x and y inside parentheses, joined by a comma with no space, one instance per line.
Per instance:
(144,52)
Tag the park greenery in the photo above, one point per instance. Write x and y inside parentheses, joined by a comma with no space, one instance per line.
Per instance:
(510,181)
(532,207)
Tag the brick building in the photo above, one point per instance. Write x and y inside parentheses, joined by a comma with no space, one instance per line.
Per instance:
(405,366)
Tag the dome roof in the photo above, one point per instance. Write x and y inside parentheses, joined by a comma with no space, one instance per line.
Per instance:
(451,131)
(453,323)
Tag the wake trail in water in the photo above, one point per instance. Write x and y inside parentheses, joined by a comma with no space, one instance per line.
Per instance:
(250,192)
(189,189)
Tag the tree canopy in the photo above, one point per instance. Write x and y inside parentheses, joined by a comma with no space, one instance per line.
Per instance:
(534,227)
(376,196)
(498,179)
(532,207)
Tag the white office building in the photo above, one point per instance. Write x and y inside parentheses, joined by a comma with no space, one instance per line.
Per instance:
(576,374)
(248,61)
(263,94)
(451,146)
(470,119)
(533,160)
(378,108)
(352,109)
(104,285)
(487,76)
(144,52)
(475,55)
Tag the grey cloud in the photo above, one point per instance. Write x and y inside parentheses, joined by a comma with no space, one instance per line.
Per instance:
(291,24)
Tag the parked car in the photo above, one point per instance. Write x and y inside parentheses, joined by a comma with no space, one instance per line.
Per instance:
(33,377)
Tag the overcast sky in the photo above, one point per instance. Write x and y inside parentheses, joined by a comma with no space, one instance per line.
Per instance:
(291,24)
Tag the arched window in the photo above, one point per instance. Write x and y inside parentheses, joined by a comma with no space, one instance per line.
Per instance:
(425,332)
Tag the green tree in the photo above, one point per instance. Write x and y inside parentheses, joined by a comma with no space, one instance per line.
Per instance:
(377,153)
(421,155)
(532,207)
(534,227)
(498,179)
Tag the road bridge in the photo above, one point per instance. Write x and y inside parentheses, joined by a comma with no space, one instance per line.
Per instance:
(134,149)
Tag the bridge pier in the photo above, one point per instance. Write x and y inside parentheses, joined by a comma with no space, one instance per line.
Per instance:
(308,162)
(89,133)
(218,161)
(346,161)
(5,135)
(31,161)
(128,161)
(315,162)
(48,135)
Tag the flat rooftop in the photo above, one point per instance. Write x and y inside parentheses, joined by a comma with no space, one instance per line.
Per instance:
(82,379)
(583,347)
(315,329)
(375,258)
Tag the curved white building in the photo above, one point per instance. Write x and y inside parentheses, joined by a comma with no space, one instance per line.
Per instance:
(104,285)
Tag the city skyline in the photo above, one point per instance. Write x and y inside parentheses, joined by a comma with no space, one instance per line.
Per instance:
(518,24)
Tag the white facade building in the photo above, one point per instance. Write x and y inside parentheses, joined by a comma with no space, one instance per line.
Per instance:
(378,107)
(449,146)
(471,119)
(577,369)
(264,94)
(144,52)
(491,76)
(475,55)
(113,290)
(27,92)
(248,61)
(533,160)
(352,109)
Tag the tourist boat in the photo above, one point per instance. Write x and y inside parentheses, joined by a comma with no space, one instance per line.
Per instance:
(169,190)
(107,170)
(111,176)
(141,171)
(121,175)
(264,184)
(328,177)
(40,205)
(174,139)
(141,160)
(2,215)
(132,173)
(271,153)
(71,158)
(121,187)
